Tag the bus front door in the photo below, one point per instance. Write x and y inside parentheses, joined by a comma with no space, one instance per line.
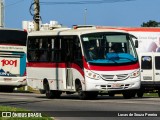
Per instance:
(69,78)
(69,71)
(157,69)
(146,61)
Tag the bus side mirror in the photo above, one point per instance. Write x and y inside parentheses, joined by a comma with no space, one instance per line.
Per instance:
(136,43)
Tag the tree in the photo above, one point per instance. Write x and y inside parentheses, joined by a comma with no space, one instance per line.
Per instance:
(150,23)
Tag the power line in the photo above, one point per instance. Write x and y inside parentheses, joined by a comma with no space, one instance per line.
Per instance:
(84,2)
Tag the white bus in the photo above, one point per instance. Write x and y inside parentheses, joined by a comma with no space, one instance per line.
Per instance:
(149,58)
(82,60)
(12,59)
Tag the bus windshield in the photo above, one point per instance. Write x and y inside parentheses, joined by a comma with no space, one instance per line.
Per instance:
(108,48)
(13,37)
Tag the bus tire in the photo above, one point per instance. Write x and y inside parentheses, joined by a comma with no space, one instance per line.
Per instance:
(49,93)
(42,91)
(10,89)
(82,94)
(140,94)
(57,94)
(128,94)
(159,92)
(85,95)
(111,94)
(92,95)
(6,89)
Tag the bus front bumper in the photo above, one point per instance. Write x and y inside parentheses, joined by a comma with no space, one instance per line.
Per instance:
(101,85)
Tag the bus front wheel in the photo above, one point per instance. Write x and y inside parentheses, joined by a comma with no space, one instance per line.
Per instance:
(128,94)
(82,94)
(140,94)
(159,92)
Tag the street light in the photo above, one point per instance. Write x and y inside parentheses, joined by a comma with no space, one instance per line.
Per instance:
(85,15)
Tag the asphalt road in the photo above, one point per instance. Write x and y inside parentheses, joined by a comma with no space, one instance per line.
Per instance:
(104,107)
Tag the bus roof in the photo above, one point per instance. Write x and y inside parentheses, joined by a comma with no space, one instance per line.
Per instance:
(11,29)
(132,29)
(69,31)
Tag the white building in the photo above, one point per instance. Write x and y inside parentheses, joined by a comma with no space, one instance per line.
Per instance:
(29,25)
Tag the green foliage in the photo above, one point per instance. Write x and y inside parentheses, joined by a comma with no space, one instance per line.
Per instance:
(150,23)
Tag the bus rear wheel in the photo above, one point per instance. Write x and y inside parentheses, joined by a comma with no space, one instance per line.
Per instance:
(42,91)
(8,89)
(49,93)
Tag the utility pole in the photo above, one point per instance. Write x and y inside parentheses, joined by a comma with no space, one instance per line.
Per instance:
(1,13)
(85,16)
(36,15)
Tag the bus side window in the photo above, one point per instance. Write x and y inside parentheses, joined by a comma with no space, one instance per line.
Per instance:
(57,50)
(146,62)
(43,56)
(32,49)
(77,55)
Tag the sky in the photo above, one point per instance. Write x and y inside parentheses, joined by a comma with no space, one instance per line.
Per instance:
(128,13)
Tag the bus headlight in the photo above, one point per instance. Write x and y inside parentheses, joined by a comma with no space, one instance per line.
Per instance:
(92,75)
(135,74)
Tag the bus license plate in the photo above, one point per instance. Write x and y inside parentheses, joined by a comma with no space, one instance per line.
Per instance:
(7,79)
(116,85)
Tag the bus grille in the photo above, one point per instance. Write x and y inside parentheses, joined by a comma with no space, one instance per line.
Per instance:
(115,77)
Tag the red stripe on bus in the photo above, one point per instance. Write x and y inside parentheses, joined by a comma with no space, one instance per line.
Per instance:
(140,29)
(75,66)
(46,65)
(55,65)
(112,68)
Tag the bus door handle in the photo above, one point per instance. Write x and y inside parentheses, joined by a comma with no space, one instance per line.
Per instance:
(157,73)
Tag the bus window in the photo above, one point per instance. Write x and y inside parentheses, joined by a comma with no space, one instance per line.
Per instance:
(96,46)
(39,48)
(157,63)
(56,50)
(77,54)
(146,62)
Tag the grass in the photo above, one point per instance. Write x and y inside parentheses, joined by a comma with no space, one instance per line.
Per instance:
(19,110)
(151,94)
(29,90)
